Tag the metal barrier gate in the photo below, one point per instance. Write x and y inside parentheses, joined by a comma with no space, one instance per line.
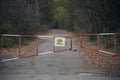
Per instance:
(24,46)
(98,41)
(20,48)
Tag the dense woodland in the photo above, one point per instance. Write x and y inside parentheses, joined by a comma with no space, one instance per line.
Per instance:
(38,16)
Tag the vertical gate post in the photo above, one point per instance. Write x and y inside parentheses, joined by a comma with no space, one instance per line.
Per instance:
(71,43)
(115,43)
(37,42)
(20,43)
(98,41)
(81,41)
(1,46)
(53,44)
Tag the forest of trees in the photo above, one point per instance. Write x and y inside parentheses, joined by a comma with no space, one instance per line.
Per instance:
(25,16)
(38,16)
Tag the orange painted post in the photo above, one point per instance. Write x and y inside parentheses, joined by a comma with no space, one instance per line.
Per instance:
(1,46)
(20,43)
(81,41)
(98,42)
(53,44)
(71,44)
(115,43)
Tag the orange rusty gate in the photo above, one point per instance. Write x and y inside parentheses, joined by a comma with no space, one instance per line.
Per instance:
(20,48)
(98,40)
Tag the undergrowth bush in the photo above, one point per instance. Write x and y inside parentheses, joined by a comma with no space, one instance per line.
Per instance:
(107,41)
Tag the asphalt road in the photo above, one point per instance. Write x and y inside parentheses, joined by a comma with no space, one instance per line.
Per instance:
(65,65)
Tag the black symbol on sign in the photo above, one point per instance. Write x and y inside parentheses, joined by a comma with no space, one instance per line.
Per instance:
(59,41)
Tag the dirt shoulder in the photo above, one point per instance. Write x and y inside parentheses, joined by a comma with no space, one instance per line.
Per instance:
(100,60)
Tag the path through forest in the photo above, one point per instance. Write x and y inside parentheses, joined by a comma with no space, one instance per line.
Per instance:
(65,65)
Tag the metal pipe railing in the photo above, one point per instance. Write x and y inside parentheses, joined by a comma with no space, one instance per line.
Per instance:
(98,42)
(36,38)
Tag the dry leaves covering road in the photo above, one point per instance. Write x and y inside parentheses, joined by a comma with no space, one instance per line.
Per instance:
(101,60)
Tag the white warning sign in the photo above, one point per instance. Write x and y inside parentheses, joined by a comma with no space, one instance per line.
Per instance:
(60,41)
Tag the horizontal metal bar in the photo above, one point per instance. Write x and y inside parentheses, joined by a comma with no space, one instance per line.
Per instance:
(98,34)
(106,52)
(39,54)
(65,36)
(102,34)
(10,59)
(11,35)
(89,34)
(28,36)
(45,36)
